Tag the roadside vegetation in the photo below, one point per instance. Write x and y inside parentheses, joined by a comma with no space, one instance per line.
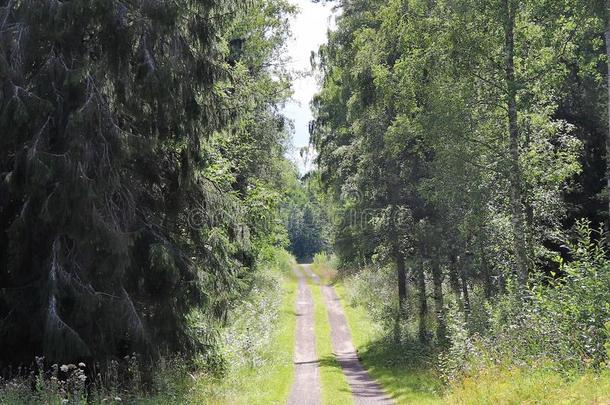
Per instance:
(258,344)
(412,373)
(142,174)
(254,359)
(463,158)
(404,371)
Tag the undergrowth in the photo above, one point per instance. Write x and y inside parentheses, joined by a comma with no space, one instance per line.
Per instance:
(550,345)
(252,363)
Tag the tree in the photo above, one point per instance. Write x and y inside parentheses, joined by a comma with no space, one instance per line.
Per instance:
(306,217)
(444,112)
(116,228)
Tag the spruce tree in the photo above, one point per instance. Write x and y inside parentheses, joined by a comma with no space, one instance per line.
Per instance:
(105,108)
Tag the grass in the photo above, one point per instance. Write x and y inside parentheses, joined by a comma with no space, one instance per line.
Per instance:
(405,382)
(335,389)
(322,267)
(399,369)
(269,383)
(530,386)
(259,347)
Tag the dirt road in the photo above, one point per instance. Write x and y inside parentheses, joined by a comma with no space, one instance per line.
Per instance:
(306,386)
(306,389)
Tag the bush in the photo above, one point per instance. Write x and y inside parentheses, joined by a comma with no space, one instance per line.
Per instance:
(251,327)
(373,290)
(325,266)
(559,325)
(578,303)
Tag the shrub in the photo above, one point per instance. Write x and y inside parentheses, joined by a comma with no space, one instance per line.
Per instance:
(373,290)
(560,324)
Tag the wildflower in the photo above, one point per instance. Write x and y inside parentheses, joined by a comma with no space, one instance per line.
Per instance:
(81,364)
(64,368)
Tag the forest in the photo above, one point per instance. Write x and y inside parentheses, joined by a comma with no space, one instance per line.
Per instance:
(450,243)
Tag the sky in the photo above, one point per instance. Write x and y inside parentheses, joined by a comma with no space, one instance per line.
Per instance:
(309,28)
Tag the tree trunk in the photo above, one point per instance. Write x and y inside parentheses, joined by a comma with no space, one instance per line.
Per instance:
(513,127)
(465,297)
(454,280)
(486,271)
(465,270)
(401,275)
(607,35)
(399,258)
(437,280)
(423,304)
(528,206)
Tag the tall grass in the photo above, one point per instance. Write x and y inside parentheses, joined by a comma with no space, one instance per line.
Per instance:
(324,266)
(257,344)
(403,369)
(520,385)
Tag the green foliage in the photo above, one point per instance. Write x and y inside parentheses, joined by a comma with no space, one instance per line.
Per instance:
(140,173)
(402,368)
(324,266)
(257,345)
(374,291)
(578,301)
(122,381)
(526,385)
(307,219)
(446,129)
(255,351)
(250,329)
(560,326)
(103,175)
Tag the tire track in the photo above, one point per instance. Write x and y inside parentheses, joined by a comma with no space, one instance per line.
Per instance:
(306,386)
(365,390)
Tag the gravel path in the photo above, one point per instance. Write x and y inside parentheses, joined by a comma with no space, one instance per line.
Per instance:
(306,387)
(365,390)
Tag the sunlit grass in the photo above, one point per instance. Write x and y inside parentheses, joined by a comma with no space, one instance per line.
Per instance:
(323,268)
(409,384)
(269,383)
(404,383)
(530,386)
